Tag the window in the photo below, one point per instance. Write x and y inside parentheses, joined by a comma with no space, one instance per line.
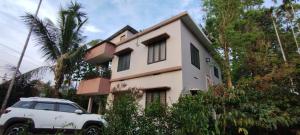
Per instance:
(122,37)
(124,62)
(195,56)
(157,52)
(156,96)
(66,108)
(23,104)
(216,72)
(44,106)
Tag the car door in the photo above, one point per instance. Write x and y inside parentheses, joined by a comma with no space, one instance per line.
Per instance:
(66,118)
(43,115)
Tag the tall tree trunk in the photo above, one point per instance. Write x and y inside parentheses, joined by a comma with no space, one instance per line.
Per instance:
(58,82)
(295,38)
(59,76)
(279,41)
(227,68)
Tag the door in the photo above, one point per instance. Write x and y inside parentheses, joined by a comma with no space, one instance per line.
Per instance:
(43,115)
(66,118)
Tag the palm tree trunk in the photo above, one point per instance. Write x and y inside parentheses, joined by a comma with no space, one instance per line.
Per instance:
(57,86)
(59,76)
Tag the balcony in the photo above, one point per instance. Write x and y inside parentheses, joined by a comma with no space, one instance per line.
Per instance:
(95,86)
(101,53)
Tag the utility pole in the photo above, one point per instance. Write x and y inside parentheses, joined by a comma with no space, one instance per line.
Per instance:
(19,63)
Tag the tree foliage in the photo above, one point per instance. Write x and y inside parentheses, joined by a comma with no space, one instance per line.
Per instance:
(61,44)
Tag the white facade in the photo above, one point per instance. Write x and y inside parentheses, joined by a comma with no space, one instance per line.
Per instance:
(176,72)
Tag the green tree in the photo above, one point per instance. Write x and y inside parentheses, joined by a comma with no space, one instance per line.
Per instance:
(60,44)
(221,17)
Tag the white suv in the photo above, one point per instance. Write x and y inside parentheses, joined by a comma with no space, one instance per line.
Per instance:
(49,115)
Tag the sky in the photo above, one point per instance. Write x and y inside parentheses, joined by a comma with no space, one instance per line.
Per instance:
(105,18)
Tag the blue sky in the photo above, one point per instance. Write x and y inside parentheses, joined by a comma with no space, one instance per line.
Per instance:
(105,18)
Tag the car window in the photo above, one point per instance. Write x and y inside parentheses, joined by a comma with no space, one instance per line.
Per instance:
(78,106)
(66,108)
(23,104)
(44,106)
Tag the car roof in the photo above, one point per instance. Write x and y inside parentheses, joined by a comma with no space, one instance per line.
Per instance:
(46,99)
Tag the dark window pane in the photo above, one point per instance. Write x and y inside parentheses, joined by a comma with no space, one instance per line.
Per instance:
(158,96)
(195,56)
(66,108)
(22,104)
(44,106)
(157,52)
(150,54)
(162,50)
(124,62)
(216,72)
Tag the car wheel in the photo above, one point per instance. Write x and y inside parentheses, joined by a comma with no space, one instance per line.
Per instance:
(17,129)
(92,130)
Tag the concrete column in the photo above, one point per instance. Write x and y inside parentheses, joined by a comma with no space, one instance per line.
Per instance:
(90,105)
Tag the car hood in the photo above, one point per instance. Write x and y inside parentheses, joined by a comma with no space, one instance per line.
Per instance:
(96,117)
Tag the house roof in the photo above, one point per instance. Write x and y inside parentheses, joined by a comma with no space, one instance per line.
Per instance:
(127,27)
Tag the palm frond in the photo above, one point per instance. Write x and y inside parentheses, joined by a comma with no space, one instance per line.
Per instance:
(46,36)
(75,57)
(71,22)
(37,72)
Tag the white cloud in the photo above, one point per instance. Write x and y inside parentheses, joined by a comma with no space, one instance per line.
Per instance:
(13,32)
(92,29)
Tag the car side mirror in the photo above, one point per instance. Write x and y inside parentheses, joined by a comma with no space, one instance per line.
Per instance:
(78,111)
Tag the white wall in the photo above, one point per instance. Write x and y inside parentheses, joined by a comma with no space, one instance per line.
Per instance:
(138,64)
(192,76)
(178,54)
(170,79)
(127,34)
(139,55)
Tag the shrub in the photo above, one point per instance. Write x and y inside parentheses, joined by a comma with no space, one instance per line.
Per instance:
(192,115)
(122,116)
(154,120)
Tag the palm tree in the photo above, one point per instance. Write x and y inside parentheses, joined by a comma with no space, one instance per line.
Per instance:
(60,44)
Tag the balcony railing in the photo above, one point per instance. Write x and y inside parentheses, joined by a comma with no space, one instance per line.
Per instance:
(101,53)
(95,86)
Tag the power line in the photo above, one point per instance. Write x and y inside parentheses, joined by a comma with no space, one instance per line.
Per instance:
(16,51)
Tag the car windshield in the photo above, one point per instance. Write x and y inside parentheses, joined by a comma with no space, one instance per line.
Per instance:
(78,106)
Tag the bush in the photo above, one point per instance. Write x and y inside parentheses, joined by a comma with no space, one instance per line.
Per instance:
(193,116)
(188,116)
(221,111)
(154,120)
(122,116)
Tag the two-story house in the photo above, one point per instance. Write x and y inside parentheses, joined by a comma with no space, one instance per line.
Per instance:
(163,62)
